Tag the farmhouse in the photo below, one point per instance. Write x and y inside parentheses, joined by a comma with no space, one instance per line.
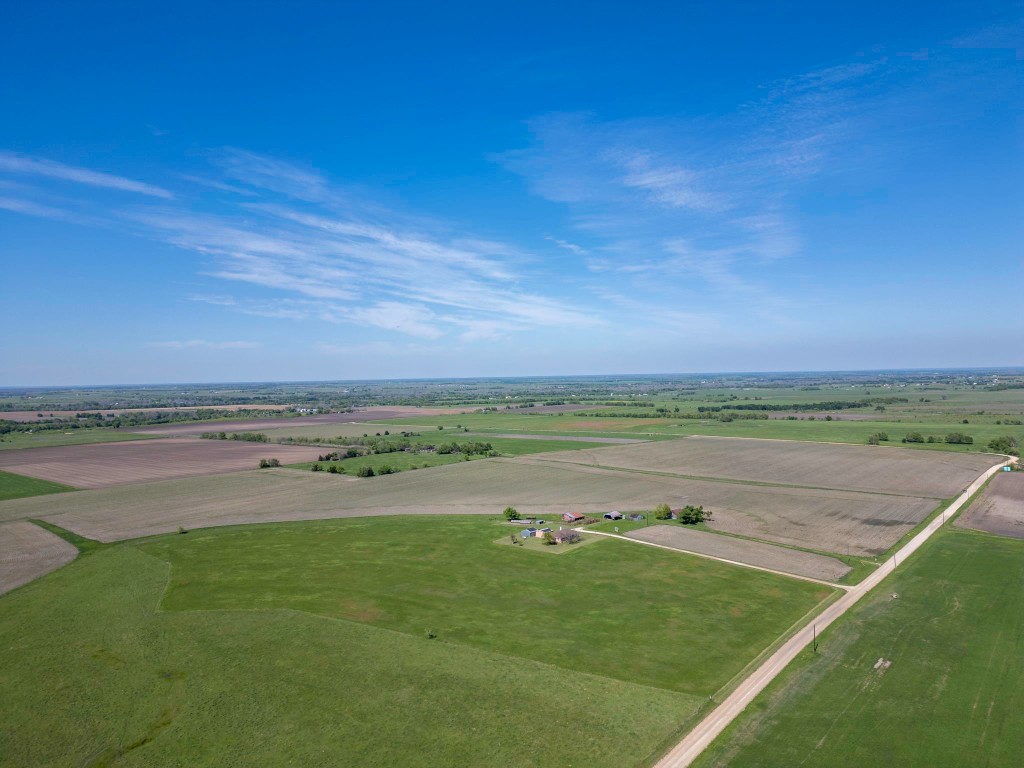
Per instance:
(572,517)
(566,536)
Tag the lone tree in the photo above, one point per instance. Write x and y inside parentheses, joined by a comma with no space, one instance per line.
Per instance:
(663,512)
(511,514)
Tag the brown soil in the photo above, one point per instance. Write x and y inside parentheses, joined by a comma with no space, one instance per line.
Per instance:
(744,551)
(1000,509)
(28,552)
(103,464)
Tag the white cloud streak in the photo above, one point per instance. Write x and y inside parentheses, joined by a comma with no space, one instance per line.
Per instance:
(20,164)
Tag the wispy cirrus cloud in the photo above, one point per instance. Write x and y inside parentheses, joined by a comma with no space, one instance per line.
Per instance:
(317,251)
(31,166)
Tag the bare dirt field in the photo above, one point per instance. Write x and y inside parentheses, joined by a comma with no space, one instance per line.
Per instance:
(100,465)
(354,429)
(28,552)
(838,521)
(836,415)
(1000,508)
(744,551)
(259,425)
(35,415)
(876,469)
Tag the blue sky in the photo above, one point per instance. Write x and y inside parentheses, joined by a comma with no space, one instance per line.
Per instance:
(229,192)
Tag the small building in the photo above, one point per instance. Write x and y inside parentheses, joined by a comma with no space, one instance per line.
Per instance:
(527,533)
(675,514)
(636,517)
(566,536)
(522,522)
(539,532)
(572,517)
(612,515)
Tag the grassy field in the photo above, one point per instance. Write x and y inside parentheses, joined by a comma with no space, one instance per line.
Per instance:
(952,695)
(611,607)
(277,645)
(53,437)
(981,428)
(401,461)
(14,486)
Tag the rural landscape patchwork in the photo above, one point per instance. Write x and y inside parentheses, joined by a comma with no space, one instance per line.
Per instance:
(426,576)
(538,385)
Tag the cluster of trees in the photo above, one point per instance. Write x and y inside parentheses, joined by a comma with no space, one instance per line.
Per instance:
(265,463)
(251,437)
(827,405)
(959,438)
(878,437)
(1004,444)
(334,469)
(688,515)
(350,453)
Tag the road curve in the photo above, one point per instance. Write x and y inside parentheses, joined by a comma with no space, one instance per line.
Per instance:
(697,740)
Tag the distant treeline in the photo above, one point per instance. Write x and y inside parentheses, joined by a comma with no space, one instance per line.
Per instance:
(120,421)
(827,405)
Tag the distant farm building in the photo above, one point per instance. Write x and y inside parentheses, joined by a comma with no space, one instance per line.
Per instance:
(572,517)
(527,533)
(637,517)
(538,533)
(612,515)
(529,521)
(566,536)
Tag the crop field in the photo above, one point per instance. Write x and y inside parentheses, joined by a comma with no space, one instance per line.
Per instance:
(875,469)
(18,487)
(28,552)
(1000,508)
(851,427)
(304,420)
(932,678)
(744,551)
(48,414)
(102,465)
(840,521)
(333,431)
(52,438)
(319,629)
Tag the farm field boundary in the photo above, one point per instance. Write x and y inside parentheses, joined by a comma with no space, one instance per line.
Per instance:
(698,739)
(820,520)
(28,552)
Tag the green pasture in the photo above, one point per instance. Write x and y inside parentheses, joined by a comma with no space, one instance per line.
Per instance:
(817,430)
(94,674)
(632,613)
(401,461)
(374,642)
(14,486)
(954,690)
